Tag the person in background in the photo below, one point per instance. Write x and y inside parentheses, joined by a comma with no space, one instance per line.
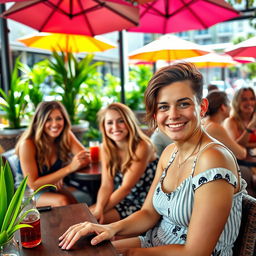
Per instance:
(197,191)
(160,140)
(128,164)
(212,87)
(241,125)
(218,111)
(48,151)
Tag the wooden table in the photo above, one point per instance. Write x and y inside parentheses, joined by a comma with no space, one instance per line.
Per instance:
(55,222)
(90,177)
(89,173)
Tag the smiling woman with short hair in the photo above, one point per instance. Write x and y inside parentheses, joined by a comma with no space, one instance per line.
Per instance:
(194,205)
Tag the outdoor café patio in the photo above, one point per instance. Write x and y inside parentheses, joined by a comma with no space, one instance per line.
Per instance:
(87,54)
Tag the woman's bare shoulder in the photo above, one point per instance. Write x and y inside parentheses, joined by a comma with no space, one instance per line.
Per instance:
(216,156)
(27,145)
(230,121)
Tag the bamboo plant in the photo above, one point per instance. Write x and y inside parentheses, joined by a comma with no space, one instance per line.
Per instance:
(11,204)
(14,102)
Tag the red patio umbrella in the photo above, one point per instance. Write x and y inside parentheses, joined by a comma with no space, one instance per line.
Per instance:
(168,16)
(246,48)
(90,17)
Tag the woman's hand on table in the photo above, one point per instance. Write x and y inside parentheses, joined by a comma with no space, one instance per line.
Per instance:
(80,160)
(75,232)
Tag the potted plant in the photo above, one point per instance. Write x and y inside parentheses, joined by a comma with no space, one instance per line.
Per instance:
(11,206)
(13,103)
(36,77)
(69,74)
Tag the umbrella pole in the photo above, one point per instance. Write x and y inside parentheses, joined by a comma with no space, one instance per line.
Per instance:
(5,51)
(123,63)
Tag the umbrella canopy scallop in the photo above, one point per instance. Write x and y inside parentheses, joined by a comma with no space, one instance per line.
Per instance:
(90,17)
(213,60)
(168,48)
(67,42)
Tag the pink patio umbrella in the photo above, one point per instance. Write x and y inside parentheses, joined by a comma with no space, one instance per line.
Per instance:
(168,16)
(246,48)
(90,17)
(244,60)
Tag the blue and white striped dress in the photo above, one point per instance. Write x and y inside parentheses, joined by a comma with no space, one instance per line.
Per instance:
(176,210)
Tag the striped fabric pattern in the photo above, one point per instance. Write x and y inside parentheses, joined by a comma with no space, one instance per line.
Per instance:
(176,209)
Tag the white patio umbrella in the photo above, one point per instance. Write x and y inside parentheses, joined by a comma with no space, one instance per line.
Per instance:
(168,48)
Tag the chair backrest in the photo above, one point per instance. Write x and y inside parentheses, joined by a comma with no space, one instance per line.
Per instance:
(12,159)
(245,243)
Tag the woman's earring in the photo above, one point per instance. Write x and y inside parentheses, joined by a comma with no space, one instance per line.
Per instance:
(157,129)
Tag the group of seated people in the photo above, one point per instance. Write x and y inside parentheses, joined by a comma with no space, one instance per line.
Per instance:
(159,200)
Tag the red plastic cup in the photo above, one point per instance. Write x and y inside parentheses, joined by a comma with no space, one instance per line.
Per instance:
(94,151)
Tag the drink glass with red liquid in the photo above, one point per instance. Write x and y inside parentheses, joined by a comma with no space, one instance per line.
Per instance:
(31,237)
(94,151)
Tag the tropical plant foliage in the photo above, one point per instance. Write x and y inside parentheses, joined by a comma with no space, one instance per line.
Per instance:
(139,75)
(14,102)
(11,203)
(36,77)
(69,74)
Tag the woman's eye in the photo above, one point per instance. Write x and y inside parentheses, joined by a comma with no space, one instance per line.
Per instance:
(163,107)
(121,121)
(183,104)
(109,123)
(59,118)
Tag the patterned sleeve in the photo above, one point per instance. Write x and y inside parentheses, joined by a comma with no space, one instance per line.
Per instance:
(214,174)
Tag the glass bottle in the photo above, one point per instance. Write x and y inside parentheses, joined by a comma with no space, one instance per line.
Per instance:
(10,248)
(30,237)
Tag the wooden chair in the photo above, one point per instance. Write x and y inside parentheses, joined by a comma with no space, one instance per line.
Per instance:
(245,243)
(247,175)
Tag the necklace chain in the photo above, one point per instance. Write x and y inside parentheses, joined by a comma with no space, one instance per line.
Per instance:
(198,145)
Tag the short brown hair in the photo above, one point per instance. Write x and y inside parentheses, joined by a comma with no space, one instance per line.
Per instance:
(167,75)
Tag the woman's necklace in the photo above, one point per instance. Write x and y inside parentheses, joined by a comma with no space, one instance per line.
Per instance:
(198,145)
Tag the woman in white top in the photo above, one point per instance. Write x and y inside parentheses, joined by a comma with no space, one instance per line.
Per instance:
(195,202)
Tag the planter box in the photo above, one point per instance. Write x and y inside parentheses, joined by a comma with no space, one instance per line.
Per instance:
(9,137)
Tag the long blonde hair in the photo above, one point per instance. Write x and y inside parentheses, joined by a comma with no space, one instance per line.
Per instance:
(236,101)
(36,133)
(135,136)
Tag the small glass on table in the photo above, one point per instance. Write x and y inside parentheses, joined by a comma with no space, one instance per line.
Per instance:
(94,151)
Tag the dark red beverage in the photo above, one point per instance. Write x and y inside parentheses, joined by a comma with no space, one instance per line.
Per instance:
(31,237)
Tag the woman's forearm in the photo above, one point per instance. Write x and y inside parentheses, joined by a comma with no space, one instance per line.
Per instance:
(103,197)
(137,223)
(48,179)
(116,197)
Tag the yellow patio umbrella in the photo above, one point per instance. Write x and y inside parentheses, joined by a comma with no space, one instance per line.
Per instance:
(168,48)
(213,60)
(67,42)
